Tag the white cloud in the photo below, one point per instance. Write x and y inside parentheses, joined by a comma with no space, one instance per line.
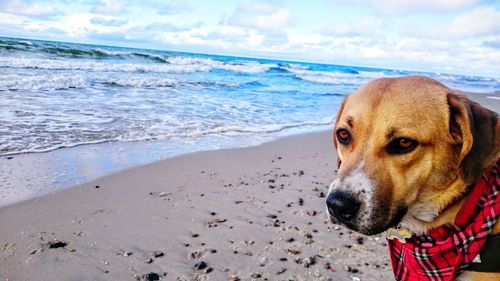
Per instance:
(481,21)
(108,21)
(19,7)
(403,7)
(260,15)
(108,7)
(170,7)
(364,26)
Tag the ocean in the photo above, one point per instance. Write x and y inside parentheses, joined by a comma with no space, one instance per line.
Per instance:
(55,95)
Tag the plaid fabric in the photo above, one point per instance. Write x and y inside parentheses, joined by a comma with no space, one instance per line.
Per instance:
(444,252)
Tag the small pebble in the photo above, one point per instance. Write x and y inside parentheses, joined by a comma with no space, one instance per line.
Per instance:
(309,261)
(200,265)
(152,276)
(256,275)
(360,240)
(57,244)
(158,254)
(301,201)
(282,270)
(327,266)
(312,213)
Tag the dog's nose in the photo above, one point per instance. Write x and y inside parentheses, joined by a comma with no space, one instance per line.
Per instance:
(342,206)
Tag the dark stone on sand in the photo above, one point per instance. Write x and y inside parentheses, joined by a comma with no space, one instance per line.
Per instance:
(282,270)
(200,265)
(321,194)
(312,213)
(194,235)
(309,261)
(208,270)
(327,265)
(158,254)
(301,173)
(272,216)
(360,240)
(97,186)
(152,276)
(213,213)
(351,269)
(301,201)
(283,259)
(213,251)
(148,260)
(291,239)
(10,157)
(56,244)
(238,202)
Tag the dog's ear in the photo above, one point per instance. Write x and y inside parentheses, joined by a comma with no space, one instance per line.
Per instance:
(475,131)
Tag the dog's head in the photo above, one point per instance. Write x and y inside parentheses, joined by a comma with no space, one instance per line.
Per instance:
(407,147)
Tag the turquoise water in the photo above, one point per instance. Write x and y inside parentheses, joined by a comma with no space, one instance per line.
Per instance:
(70,113)
(55,95)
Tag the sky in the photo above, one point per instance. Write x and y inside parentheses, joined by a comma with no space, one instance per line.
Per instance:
(450,36)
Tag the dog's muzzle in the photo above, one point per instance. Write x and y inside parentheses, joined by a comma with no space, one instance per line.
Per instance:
(342,207)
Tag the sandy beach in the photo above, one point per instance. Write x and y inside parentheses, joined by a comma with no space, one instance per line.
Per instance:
(253,213)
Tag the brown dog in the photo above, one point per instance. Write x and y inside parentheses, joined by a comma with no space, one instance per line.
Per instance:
(409,149)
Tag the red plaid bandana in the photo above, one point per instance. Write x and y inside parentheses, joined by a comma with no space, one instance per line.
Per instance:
(447,250)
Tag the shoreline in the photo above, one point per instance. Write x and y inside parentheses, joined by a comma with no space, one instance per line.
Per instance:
(69,167)
(72,166)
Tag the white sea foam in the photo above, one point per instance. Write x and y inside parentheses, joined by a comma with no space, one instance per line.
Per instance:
(176,65)
(332,77)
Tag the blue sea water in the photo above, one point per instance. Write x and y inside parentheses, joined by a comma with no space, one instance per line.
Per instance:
(93,110)
(55,95)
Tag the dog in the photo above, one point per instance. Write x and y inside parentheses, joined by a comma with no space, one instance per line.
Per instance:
(411,156)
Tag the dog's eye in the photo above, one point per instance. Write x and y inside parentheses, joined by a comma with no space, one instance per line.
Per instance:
(343,136)
(401,145)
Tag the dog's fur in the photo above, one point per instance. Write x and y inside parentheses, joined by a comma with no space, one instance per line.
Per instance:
(457,141)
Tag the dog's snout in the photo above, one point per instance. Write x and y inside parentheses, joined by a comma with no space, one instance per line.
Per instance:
(342,206)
